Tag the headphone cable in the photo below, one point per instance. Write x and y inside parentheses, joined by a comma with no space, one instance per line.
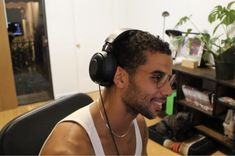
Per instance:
(106,116)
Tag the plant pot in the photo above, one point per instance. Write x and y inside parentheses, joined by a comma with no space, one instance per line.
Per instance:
(224,70)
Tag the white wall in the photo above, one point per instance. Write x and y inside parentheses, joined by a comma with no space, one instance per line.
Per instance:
(60,26)
(94,20)
(147,14)
(89,22)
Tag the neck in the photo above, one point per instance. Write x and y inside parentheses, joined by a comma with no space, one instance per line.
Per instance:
(116,112)
(107,124)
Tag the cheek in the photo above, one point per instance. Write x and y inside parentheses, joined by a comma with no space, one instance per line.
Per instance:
(145,85)
(148,90)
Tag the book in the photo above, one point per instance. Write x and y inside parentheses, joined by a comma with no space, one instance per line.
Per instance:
(201,99)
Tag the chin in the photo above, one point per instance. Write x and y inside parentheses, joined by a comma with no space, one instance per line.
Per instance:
(153,112)
(150,115)
(153,115)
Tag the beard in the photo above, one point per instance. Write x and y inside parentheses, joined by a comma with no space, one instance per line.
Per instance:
(136,102)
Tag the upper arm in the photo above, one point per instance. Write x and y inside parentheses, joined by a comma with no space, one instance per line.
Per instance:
(144,133)
(68,138)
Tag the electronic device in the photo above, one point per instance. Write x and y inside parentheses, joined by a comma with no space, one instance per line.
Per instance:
(15,28)
(103,64)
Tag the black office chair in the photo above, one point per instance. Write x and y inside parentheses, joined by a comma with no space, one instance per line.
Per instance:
(25,134)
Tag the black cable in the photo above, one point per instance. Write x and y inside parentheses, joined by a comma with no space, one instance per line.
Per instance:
(106,116)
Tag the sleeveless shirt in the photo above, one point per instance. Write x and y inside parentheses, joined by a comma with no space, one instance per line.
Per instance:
(84,118)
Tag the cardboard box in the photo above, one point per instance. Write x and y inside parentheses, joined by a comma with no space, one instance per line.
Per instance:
(189,63)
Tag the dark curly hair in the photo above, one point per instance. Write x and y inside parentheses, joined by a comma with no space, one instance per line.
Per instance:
(129,49)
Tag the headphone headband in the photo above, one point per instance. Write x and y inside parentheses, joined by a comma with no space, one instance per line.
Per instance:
(116,34)
(113,37)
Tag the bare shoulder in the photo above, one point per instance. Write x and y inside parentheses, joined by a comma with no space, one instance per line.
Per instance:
(68,138)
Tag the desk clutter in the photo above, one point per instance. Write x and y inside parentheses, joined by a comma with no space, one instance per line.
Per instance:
(177,127)
(176,133)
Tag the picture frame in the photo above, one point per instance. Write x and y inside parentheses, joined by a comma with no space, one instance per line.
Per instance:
(191,49)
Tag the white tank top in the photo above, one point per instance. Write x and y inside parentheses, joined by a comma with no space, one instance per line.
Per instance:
(84,118)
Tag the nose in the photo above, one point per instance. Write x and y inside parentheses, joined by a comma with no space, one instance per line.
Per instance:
(166,90)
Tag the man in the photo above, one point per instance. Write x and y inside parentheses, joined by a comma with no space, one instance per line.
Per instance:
(114,124)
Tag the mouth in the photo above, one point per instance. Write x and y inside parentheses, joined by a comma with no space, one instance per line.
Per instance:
(157,104)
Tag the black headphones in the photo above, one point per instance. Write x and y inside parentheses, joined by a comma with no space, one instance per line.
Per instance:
(103,64)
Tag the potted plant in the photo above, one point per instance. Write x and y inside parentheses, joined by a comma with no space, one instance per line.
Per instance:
(221,46)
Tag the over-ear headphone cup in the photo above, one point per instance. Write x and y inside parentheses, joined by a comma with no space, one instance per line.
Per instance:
(103,64)
(102,68)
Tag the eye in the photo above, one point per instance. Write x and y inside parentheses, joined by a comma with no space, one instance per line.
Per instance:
(158,76)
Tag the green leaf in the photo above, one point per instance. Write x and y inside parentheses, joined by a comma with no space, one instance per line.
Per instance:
(214,14)
(182,21)
(188,31)
(230,5)
(180,39)
(230,17)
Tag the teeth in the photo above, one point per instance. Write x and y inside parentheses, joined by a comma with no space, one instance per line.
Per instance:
(157,103)
(160,105)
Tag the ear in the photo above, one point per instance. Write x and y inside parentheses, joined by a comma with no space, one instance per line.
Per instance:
(120,78)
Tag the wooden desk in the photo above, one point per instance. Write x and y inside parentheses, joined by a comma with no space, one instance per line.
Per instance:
(154,148)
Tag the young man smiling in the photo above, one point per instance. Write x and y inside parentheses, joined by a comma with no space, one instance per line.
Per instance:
(114,124)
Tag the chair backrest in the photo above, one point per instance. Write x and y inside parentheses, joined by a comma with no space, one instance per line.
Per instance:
(25,134)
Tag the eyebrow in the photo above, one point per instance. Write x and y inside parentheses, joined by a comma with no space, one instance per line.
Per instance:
(157,72)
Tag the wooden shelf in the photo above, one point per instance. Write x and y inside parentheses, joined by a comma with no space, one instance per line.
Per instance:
(225,104)
(210,120)
(205,73)
(215,135)
(189,104)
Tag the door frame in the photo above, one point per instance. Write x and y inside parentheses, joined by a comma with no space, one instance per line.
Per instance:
(46,41)
(8,98)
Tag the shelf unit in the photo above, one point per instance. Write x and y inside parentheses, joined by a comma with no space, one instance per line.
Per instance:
(210,123)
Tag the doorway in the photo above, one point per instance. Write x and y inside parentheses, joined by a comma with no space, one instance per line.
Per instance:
(29,50)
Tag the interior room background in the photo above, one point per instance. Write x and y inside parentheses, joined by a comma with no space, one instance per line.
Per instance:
(86,23)
(77,29)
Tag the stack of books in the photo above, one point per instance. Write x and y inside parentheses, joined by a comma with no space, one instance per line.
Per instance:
(201,99)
